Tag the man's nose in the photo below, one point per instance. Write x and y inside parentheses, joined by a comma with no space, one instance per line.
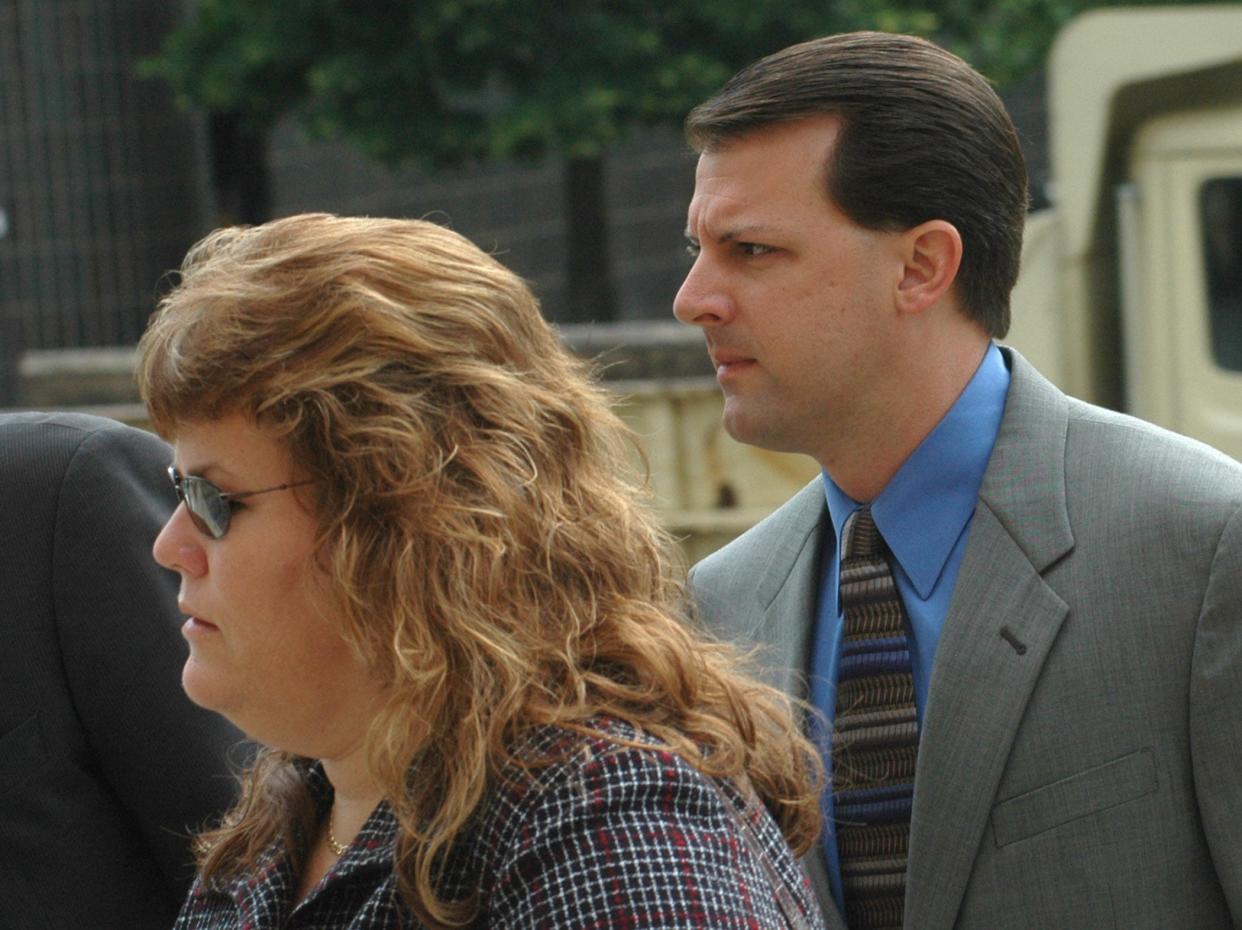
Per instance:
(702,300)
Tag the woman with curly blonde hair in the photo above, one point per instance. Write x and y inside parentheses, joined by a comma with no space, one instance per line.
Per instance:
(417,570)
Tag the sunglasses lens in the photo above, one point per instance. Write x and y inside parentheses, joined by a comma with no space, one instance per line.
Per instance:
(208,510)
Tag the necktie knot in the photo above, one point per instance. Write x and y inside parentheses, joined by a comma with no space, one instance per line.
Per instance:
(861,539)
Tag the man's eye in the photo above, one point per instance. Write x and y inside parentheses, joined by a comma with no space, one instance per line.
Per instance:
(754,248)
(693,249)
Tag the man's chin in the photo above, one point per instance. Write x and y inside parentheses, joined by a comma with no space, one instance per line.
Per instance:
(753,427)
(742,423)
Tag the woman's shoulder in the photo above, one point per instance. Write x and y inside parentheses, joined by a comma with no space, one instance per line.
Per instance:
(604,819)
(570,747)
(603,759)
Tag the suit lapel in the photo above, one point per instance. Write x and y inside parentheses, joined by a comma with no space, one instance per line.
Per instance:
(787,588)
(1002,622)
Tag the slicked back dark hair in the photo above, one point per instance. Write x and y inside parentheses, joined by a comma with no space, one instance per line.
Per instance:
(923,136)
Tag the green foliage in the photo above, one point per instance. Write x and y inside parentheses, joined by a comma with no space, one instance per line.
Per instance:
(439,82)
(443,81)
(1004,39)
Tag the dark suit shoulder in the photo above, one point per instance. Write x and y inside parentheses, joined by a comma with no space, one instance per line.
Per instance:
(38,447)
(97,734)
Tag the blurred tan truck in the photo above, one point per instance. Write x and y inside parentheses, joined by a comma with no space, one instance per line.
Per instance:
(1131,287)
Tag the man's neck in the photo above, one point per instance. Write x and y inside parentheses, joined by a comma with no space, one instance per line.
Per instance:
(864,462)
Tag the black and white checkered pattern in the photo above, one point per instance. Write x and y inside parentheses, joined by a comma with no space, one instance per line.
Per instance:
(608,837)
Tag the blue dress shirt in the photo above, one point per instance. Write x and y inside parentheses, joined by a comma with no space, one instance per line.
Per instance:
(924,515)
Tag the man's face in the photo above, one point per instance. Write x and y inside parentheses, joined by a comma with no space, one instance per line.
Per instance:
(794,298)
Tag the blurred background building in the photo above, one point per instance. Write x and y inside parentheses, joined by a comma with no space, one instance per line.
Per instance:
(105,182)
(107,176)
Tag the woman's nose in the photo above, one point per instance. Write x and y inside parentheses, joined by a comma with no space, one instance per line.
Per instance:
(179,545)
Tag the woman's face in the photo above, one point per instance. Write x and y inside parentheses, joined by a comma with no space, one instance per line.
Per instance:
(264,650)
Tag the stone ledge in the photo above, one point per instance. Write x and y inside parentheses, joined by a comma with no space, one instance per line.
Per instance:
(629,352)
(76,378)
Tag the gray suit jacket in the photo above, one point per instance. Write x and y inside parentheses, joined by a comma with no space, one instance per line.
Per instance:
(1080,764)
(105,766)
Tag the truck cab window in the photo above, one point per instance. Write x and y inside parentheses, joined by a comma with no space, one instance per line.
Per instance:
(1220,201)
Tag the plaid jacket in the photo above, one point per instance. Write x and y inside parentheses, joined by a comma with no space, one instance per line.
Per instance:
(610,836)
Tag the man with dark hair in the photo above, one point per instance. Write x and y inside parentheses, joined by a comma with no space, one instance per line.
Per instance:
(1018,614)
(105,765)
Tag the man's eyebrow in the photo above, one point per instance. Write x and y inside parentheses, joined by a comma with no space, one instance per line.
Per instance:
(740,232)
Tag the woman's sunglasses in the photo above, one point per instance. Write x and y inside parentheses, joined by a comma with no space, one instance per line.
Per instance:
(209,507)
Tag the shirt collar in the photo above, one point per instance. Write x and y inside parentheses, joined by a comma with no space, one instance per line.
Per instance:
(272,883)
(924,508)
(373,844)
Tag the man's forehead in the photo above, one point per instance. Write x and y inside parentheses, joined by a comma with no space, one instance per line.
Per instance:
(734,202)
(727,226)
(807,140)
(722,211)
(788,157)
(726,187)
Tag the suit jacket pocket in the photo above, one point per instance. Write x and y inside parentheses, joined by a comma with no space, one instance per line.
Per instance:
(1088,792)
(22,754)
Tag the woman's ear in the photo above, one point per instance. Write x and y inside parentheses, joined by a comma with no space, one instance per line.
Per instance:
(932,254)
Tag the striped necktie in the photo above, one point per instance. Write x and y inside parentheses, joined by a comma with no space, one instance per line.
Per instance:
(875,736)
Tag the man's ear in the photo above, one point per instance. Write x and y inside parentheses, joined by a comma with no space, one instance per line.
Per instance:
(932,254)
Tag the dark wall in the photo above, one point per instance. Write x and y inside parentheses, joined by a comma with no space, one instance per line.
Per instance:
(100,177)
(516,211)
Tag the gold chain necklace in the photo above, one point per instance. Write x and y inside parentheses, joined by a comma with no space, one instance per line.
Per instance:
(338,849)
